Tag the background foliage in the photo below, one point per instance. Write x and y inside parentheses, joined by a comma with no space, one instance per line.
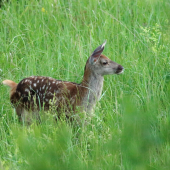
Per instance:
(131,127)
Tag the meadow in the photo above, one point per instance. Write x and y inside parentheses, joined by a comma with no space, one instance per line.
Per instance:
(131,124)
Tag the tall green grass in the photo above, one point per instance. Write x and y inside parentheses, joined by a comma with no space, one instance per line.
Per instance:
(130,129)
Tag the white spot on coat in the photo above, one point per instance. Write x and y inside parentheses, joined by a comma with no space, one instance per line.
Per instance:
(56,91)
(34,84)
(27,90)
(43,87)
(19,94)
(50,94)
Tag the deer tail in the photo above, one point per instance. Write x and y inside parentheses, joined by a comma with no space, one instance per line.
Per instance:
(10,83)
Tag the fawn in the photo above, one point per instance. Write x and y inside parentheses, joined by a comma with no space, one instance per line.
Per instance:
(34,93)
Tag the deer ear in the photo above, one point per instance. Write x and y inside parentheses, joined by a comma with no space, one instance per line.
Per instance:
(96,53)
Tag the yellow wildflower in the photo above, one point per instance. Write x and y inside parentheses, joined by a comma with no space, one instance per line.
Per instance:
(43,9)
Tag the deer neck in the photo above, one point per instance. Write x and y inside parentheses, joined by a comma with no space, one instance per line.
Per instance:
(93,85)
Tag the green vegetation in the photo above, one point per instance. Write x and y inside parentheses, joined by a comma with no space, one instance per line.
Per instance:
(131,126)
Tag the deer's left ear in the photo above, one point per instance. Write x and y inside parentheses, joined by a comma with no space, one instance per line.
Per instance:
(96,53)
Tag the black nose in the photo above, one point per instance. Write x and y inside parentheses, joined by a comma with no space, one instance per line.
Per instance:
(119,69)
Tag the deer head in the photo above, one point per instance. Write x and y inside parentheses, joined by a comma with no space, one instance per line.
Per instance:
(101,65)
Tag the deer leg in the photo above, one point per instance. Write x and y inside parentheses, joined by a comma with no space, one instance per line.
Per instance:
(27,117)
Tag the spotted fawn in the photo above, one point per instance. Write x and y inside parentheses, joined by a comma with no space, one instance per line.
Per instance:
(37,93)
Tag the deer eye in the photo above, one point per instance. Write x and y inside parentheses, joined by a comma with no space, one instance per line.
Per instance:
(104,62)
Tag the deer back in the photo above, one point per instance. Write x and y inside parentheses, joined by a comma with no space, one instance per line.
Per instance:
(38,92)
